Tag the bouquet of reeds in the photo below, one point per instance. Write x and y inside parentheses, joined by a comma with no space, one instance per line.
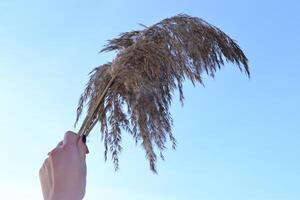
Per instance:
(133,93)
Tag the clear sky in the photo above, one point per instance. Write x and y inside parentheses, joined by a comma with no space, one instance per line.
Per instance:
(238,139)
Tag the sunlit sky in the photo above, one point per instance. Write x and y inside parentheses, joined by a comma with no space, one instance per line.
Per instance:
(238,139)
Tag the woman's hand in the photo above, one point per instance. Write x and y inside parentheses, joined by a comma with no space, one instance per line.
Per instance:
(63,174)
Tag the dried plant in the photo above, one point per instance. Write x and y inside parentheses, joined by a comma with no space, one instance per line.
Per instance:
(133,93)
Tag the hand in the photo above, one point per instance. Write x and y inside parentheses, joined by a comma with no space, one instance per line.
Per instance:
(63,174)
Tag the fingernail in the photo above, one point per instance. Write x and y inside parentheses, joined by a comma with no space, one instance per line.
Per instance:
(84,139)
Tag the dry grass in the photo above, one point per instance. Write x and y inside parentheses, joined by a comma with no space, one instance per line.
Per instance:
(134,91)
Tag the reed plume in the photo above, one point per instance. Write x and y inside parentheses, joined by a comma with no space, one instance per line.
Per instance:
(133,93)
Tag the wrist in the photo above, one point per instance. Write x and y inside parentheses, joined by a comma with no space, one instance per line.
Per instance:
(64,196)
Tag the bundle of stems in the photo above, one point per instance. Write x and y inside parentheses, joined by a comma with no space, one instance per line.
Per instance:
(133,93)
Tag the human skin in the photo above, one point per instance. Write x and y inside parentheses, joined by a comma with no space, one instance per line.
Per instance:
(63,173)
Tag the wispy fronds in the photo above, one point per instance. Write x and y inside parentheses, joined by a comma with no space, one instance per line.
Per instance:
(134,92)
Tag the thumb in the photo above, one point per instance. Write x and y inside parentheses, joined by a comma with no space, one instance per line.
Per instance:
(70,138)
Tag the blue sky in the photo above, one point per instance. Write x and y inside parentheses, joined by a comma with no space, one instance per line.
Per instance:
(238,139)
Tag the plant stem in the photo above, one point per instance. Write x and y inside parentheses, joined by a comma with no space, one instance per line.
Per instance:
(88,124)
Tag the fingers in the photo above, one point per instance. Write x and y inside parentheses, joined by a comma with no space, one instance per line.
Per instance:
(72,140)
(57,146)
(45,176)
